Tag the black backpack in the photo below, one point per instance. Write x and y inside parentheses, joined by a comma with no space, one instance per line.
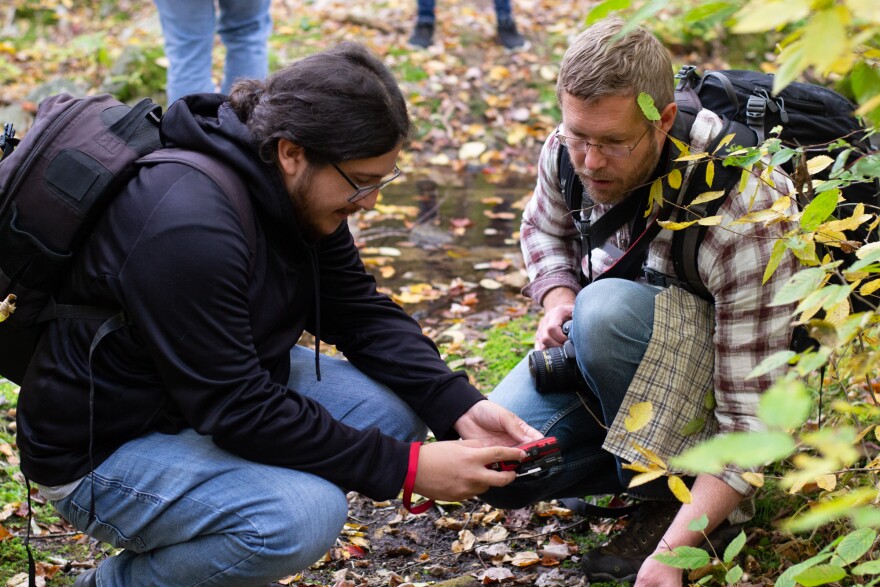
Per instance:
(54,185)
(810,116)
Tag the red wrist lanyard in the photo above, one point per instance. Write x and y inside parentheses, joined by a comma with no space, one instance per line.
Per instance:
(410,482)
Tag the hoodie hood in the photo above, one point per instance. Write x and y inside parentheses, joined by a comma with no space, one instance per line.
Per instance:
(207,123)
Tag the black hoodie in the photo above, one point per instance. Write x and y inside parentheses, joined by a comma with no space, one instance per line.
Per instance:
(211,328)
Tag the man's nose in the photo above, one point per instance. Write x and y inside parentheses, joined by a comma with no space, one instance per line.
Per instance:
(594,158)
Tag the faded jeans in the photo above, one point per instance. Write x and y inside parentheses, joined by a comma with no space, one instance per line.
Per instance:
(611,327)
(188,26)
(189,513)
(426,11)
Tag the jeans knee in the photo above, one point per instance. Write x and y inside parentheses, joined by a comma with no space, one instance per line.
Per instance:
(608,314)
(304,531)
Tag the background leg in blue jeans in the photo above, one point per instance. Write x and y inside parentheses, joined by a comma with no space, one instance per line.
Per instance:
(188,29)
(189,513)
(244,26)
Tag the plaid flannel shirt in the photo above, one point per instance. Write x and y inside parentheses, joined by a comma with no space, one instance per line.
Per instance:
(740,331)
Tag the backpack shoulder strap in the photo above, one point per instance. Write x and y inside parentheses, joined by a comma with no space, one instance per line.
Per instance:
(686,243)
(227,180)
(572,188)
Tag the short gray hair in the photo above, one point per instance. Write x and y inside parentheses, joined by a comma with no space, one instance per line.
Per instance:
(594,67)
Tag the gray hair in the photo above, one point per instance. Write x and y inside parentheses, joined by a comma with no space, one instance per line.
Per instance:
(594,67)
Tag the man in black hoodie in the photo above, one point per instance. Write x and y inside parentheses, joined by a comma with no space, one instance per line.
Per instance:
(206,448)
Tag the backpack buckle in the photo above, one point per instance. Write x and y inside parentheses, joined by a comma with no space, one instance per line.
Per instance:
(756,107)
(685,74)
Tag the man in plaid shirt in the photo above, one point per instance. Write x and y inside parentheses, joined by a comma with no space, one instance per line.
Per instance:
(634,341)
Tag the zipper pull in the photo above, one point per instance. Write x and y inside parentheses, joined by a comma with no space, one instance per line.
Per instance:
(783,115)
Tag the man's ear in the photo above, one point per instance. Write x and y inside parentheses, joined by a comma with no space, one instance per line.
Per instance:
(291,158)
(667,116)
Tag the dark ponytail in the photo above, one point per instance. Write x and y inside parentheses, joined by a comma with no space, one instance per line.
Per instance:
(338,105)
(245,96)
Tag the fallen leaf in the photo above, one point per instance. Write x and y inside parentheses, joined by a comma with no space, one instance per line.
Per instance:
(496,575)
(525,559)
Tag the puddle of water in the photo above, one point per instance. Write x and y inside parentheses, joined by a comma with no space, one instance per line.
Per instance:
(432,245)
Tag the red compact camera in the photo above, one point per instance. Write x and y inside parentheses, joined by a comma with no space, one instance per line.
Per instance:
(540,456)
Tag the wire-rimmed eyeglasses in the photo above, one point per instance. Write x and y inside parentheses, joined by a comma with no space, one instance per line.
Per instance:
(619,151)
(362,192)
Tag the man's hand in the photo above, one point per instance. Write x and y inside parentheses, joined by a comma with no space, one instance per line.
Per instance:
(655,574)
(491,425)
(558,307)
(455,470)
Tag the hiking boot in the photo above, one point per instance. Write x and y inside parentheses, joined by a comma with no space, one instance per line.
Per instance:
(509,37)
(86,579)
(422,36)
(622,557)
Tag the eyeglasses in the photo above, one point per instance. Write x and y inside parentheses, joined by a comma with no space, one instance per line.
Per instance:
(362,192)
(619,151)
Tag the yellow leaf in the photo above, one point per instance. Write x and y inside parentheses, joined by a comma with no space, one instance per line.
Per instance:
(650,455)
(471,150)
(669,225)
(655,197)
(639,416)
(754,479)
(708,197)
(684,151)
(498,73)
(870,287)
(679,489)
(818,163)
(744,180)
(710,221)
(674,179)
(643,478)
(852,222)
(830,26)
(869,105)
(525,559)
(760,16)
(721,145)
(637,467)
(710,173)
(358,541)
(782,205)
(759,216)
(517,135)
(827,482)
(793,63)
(693,157)
(7,307)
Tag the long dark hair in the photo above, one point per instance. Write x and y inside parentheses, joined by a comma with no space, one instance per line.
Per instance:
(338,105)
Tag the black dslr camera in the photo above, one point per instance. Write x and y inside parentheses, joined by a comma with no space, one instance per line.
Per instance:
(555,369)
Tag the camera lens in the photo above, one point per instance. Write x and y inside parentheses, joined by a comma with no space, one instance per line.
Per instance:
(554,369)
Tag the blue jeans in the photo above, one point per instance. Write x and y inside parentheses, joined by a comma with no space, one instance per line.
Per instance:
(426,11)
(188,513)
(611,326)
(189,26)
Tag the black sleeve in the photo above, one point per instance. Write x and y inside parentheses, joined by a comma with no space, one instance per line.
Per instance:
(384,342)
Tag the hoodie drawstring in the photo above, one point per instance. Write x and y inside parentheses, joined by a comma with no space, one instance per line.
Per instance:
(317,281)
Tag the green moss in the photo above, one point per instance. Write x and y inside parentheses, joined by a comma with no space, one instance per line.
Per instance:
(503,348)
